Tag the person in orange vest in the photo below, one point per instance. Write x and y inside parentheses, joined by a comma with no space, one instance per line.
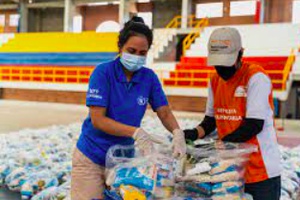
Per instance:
(240,107)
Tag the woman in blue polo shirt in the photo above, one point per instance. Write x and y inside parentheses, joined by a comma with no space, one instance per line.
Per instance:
(118,94)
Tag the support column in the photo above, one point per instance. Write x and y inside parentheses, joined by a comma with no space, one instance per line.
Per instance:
(23,16)
(298,103)
(185,12)
(124,12)
(69,13)
(262,11)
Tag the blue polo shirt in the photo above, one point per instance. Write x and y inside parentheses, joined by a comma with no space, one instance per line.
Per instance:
(125,102)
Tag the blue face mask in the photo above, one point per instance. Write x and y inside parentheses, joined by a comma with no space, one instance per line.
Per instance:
(132,62)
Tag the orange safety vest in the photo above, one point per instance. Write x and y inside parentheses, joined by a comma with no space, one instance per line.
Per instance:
(230,101)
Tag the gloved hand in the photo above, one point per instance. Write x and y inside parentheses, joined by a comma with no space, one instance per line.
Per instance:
(143,141)
(191,134)
(179,146)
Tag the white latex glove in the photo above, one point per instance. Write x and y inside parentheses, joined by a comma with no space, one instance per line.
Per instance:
(179,145)
(143,141)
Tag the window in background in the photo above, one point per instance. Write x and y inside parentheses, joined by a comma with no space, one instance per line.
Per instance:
(77,24)
(2,20)
(2,24)
(143,1)
(147,16)
(242,8)
(209,10)
(14,20)
(296,12)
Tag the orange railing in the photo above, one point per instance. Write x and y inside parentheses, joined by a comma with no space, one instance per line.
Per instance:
(288,67)
(177,21)
(195,33)
(46,74)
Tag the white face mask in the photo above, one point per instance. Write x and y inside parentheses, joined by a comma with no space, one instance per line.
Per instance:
(132,62)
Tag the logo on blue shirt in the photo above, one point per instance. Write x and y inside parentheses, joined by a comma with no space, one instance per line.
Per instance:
(142,100)
(94,93)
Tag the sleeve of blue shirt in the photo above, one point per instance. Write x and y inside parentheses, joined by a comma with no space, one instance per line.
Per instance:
(157,97)
(98,90)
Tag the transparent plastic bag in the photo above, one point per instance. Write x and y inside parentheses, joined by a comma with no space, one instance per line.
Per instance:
(121,154)
(247,197)
(231,196)
(62,171)
(37,182)
(27,154)
(140,173)
(194,189)
(30,159)
(227,187)
(6,169)
(153,175)
(218,164)
(61,192)
(218,150)
(47,194)
(16,178)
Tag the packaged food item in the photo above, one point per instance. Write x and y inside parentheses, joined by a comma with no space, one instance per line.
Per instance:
(193,189)
(214,170)
(199,169)
(61,192)
(130,193)
(38,182)
(235,196)
(16,179)
(164,192)
(228,176)
(227,165)
(153,175)
(47,194)
(143,177)
(204,178)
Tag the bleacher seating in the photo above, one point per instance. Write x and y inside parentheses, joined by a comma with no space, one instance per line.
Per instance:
(54,57)
(198,73)
(270,49)
(61,42)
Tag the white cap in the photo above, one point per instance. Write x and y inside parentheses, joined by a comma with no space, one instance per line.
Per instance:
(224,46)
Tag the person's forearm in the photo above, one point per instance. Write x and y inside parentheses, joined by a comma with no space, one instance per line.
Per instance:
(249,129)
(201,132)
(170,122)
(168,119)
(112,127)
(208,125)
(203,129)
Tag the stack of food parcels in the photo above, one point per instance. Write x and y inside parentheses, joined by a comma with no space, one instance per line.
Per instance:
(37,163)
(291,173)
(130,175)
(213,170)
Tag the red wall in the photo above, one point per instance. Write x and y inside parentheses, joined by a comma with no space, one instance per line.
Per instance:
(93,16)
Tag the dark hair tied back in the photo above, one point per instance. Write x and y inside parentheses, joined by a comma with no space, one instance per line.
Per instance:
(135,27)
